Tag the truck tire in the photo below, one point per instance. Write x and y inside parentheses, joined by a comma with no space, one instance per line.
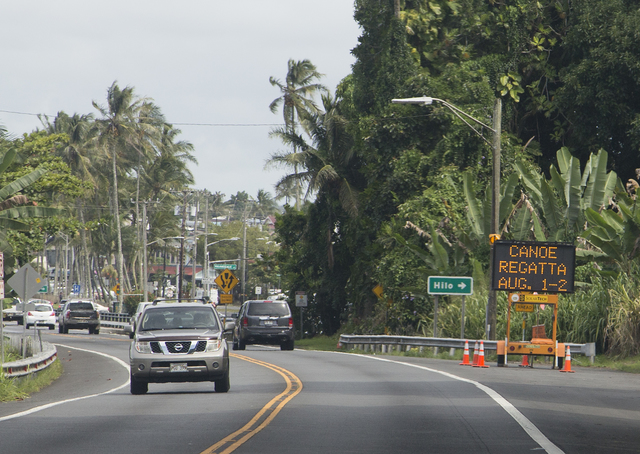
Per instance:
(222,385)
(138,387)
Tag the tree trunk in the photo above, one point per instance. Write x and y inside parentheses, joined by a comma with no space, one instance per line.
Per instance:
(119,257)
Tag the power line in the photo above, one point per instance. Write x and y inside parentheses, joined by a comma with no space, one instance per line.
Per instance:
(175,124)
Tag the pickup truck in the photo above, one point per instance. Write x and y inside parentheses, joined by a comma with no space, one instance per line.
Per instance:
(14,313)
(79,314)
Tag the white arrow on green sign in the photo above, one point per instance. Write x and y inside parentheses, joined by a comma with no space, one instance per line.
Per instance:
(450,285)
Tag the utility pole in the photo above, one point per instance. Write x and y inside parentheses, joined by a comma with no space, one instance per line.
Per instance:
(194,267)
(183,232)
(244,256)
(205,253)
(145,272)
(492,304)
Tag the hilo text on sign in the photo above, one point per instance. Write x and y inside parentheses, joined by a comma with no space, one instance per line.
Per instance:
(450,285)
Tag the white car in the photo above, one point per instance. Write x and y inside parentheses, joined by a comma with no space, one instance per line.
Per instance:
(39,313)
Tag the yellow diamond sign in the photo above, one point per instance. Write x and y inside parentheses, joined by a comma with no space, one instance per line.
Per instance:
(226,281)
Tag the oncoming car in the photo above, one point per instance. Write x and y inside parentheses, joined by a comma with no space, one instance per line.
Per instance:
(179,342)
(264,322)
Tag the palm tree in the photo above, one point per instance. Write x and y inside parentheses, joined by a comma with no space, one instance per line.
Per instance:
(330,163)
(265,204)
(121,118)
(296,99)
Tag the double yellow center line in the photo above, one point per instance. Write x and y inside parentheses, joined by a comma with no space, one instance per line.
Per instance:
(265,415)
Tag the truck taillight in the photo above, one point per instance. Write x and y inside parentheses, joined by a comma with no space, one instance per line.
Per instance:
(290,322)
(67,314)
(245,321)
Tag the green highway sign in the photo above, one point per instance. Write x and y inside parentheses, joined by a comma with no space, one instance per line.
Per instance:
(225,266)
(450,285)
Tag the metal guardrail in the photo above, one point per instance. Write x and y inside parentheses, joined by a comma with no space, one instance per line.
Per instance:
(386,344)
(35,363)
(114,320)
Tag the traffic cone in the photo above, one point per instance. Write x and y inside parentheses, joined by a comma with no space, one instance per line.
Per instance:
(567,362)
(525,361)
(481,357)
(475,354)
(465,357)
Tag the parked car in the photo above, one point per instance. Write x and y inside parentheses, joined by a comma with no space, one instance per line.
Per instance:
(264,322)
(15,312)
(79,314)
(179,342)
(39,312)
(100,307)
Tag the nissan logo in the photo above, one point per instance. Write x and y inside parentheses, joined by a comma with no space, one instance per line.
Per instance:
(178,347)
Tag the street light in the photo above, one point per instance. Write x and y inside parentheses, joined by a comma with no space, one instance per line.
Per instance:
(146,265)
(495,180)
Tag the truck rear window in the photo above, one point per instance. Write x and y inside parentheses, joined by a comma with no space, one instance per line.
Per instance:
(81,307)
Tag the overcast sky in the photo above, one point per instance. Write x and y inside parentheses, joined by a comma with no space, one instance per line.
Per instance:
(201,61)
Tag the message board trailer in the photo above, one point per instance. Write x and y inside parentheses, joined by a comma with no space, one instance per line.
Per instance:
(531,266)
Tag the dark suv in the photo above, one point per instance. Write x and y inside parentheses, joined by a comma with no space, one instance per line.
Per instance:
(264,322)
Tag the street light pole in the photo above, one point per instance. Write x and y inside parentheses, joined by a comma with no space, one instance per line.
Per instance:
(491,313)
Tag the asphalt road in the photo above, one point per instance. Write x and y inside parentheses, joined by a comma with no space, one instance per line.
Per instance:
(347,404)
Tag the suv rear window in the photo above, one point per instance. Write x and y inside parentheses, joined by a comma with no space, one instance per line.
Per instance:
(81,307)
(279,309)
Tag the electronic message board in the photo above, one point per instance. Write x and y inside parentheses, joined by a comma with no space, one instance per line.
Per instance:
(533,266)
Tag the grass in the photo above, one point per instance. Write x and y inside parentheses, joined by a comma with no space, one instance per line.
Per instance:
(329,343)
(17,389)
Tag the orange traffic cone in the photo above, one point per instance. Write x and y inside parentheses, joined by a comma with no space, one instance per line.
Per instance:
(525,361)
(481,357)
(465,357)
(567,362)
(475,354)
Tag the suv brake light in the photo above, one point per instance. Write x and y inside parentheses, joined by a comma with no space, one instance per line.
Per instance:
(245,321)
(290,322)
(67,314)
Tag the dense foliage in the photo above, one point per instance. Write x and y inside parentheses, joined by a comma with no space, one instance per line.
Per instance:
(418,177)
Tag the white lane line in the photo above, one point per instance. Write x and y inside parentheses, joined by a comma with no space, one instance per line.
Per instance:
(53,404)
(521,419)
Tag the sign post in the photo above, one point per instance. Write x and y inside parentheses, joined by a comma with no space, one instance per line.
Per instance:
(26,282)
(226,281)
(301,302)
(449,285)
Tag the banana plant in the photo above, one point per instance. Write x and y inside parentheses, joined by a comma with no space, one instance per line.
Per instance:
(561,202)
(15,207)
(479,211)
(616,230)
